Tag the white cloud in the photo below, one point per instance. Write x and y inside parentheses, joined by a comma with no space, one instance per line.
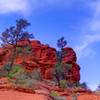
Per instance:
(95,5)
(26,6)
(8,6)
(94,24)
(92,31)
(84,48)
(93,86)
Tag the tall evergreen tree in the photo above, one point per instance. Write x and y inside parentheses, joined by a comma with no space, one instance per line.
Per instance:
(13,34)
(59,73)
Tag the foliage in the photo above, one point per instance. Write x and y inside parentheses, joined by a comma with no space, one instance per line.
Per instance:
(61,43)
(16,69)
(59,71)
(24,80)
(19,50)
(5,71)
(77,84)
(84,85)
(28,49)
(14,34)
(68,66)
(63,84)
(7,67)
(24,51)
(36,74)
(56,96)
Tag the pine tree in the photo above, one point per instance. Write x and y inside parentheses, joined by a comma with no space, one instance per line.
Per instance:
(12,35)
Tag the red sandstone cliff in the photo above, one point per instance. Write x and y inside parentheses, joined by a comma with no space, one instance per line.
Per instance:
(43,57)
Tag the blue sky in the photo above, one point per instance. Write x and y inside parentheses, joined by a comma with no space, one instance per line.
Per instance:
(77,20)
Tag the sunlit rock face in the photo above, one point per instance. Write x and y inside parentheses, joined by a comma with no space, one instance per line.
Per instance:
(42,57)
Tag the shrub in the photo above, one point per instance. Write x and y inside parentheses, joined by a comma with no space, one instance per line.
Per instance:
(24,80)
(63,84)
(68,66)
(13,34)
(5,70)
(19,50)
(16,69)
(7,67)
(28,49)
(36,74)
(84,85)
(56,96)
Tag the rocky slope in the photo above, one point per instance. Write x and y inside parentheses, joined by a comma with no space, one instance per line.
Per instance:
(42,57)
(43,91)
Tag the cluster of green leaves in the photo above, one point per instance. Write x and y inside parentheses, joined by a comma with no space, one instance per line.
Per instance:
(7,67)
(24,80)
(55,95)
(15,33)
(16,69)
(63,84)
(68,66)
(27,80)
(7,71)
(19,50)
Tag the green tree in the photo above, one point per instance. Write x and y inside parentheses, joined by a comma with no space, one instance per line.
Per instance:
(59,73)
(12,35)
(84,85)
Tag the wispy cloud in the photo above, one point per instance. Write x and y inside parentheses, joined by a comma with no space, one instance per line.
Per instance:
(91,31)
(84,49)
(93,86)
(94,24)
(26,6)
(9,6)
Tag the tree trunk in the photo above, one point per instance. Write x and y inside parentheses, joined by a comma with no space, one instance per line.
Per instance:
(13,57)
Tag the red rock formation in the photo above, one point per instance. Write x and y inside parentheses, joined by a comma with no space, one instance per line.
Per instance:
(70,58)
(43,57)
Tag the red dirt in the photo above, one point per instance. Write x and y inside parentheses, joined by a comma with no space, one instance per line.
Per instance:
(16,95)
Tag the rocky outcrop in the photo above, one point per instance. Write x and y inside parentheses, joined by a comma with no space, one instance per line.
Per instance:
(42,57)
(43,91)
(70,58)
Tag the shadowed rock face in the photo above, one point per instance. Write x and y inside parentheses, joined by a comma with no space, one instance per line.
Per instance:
(43,57)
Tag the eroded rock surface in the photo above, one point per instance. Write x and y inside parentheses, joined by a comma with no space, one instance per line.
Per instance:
(42,57)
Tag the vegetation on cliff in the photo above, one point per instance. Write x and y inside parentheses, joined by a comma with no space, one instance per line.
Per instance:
(12,35)
(29,63)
